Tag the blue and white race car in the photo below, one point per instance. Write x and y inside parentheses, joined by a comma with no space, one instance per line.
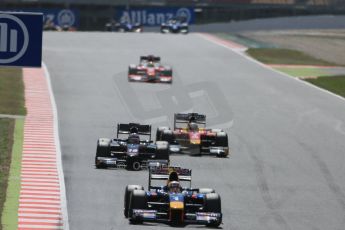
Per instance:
(175,25)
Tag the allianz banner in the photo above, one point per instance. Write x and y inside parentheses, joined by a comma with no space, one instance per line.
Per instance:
(153,16)
(60,17)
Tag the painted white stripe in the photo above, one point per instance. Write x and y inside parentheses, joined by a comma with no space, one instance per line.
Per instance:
(42,166)
(27,151)
(39,196)
(39,226)
(44,188)
(37,210)
(38,142)
(41,221)
(38,155)
(38,215)
(40,205)
(38,176)
(39,162)
(39,200)
(40,192)
(38,183)
(58,151)
(39,180)
(28,177)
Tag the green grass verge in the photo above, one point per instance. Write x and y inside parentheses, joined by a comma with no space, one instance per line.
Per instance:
(9,217)
(302,72)
(12,91)
(285,56)
(335,84)
(6,142)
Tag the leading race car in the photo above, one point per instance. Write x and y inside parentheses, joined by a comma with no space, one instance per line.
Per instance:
(131,153)
(150,70)
(175,25)
(171,203)
(190,134)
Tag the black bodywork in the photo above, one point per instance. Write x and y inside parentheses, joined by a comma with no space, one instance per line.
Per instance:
(132,152)
(123,27)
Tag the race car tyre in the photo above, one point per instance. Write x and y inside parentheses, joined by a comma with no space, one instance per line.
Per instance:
(213,204)
(129,189)
(138,200)
(162,150)
(167,71)
(206,190)
(159,132)
(103,150)
(132,70)
(167,135)
(133,163)
(222,139)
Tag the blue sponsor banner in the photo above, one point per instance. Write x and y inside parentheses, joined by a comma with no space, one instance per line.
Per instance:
(58,17)
(21,39)
(62,17)
(153,16)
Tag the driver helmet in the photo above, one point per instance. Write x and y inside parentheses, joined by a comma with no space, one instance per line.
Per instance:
(193,126)
(174,187)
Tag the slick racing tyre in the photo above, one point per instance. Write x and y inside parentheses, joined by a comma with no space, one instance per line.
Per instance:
(103,150)
(138,200)
(222,139)
(129,189)
(167,135)
(206,190)
(133,163)
(213,204)
(159,133)
(162,150)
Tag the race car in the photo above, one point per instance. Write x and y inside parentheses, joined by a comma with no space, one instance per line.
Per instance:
(172,203)
(131,153)
(150,70)
(190,134)
(114,26)
(175,25)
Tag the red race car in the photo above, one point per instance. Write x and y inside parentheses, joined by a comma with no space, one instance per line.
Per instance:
(190,134)
(150,70)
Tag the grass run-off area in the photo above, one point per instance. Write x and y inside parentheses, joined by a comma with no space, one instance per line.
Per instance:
(285,56)
(11,91)
(6,142)
(11,103)
(335,84)
(302,72)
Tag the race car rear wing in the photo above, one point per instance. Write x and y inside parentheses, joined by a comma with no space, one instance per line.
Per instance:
(189,117)
(163,172)
(133,128)
(150,58)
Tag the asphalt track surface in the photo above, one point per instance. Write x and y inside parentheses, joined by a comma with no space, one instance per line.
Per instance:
(286,170)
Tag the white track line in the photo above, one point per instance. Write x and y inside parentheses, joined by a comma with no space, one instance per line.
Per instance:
(58,152)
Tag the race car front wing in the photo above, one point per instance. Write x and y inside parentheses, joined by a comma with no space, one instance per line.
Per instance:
(112,162)
(202,218)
